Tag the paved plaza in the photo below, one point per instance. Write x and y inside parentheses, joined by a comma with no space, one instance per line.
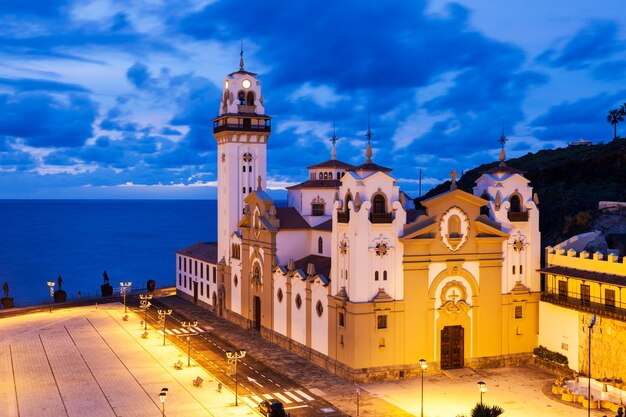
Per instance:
(88,362)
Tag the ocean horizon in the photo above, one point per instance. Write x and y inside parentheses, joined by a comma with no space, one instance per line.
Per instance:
(132,239)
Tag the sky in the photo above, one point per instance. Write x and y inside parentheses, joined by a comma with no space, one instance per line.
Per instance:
(115,98)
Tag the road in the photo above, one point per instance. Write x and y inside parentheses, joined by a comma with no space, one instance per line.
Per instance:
(256,381)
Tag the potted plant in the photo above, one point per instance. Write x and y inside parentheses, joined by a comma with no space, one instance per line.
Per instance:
(60,295)
(107,289)
(7,302)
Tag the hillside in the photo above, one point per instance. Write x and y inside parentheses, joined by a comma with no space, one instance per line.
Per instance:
(569,182)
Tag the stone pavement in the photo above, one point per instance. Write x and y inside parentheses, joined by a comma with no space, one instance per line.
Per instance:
(87,361)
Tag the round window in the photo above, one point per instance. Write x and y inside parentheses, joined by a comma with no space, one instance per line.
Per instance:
(319,308)
(279,295)
(298,301)
(236,280)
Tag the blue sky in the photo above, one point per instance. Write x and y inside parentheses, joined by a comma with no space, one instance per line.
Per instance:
(114,99)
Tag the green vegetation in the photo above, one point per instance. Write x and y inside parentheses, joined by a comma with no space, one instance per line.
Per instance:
(569,182)
(481,410)
(548,355)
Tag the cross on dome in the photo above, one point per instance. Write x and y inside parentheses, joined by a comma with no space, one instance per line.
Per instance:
(333,140)
(453,176)
(503,139)
(241,57)
(368,135)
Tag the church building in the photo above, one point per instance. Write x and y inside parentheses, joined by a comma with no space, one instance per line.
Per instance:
(354,277)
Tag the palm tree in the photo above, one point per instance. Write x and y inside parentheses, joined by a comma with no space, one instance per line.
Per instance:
(481,410)
(614,117)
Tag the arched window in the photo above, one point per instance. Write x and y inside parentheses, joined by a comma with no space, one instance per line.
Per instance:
(250,99)
(320,245)
(516,204)
(256,274)
(325,175)
(378,204)
(298,301)
(348,199)
(279,295)
(241,96)
(339,175)
(375,275)
(454,226)
(236,281)
(384,275)
(330,175)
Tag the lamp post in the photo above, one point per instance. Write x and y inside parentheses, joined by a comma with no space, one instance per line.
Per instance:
(145,304)
(188,325)
(51,285)
(125,285)
(483,388)
(358,400)
(162,397)
(591,324)
(233,357)
(162,317)
(423,365)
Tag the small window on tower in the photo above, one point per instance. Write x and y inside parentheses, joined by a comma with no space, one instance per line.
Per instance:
(342,320)
(249,189)
(243,168)
(384,275)
(513,268)
(243,190)
(381,321)
(518,312)
(317,209)
(520,269)
(375,275)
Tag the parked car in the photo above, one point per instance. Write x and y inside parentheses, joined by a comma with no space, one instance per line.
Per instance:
(272,408)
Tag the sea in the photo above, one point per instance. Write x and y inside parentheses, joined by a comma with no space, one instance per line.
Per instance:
(133,240)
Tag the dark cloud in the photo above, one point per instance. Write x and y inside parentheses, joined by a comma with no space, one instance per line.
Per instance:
(169,131)
(138,75)
(47,8)
(596,41)
(583,118)
(43,119)
(610,71)
(34,84)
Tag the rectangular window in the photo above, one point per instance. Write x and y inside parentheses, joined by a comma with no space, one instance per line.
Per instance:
(520,270)
(207,272)
(185,277)
(214,275)
(384,275)
(381,321)
(201,290)
(518,312)
(513,269)
(207,290)
(375,275)
(585,294)
(185,264)
(201,271)
(342,320)
(563,290)
(609,299)
(317,209)
(243,190)
(180,280)
(196,267)
(249,189)
(180,263)
(243,168)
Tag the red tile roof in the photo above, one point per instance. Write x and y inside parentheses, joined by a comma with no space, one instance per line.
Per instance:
(333,163)
(316,184)
(290,219)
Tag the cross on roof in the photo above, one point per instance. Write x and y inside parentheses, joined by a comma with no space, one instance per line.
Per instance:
(453,176)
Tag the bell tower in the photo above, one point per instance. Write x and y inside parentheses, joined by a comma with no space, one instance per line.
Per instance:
(241,131)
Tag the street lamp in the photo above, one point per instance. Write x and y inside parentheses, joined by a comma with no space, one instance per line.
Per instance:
(162,316)
(233,357)
(423,365)
(162,397)
(591,324)
(188,325)
(483,388)
(125,285)
(145,304)
(51,285)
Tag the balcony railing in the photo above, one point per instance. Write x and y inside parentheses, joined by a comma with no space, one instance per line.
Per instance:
(217,127)
(594,305)
(343,216)
(242,108)
(518,216)
(380,218)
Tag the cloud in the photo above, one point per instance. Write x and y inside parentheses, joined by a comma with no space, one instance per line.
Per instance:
(596,41)
(43,119)
(33,84)
(610,71)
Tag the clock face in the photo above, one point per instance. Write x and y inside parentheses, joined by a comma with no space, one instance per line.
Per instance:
(226,85)
(246,83)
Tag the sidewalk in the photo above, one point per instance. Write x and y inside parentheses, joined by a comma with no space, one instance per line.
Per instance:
(87,361)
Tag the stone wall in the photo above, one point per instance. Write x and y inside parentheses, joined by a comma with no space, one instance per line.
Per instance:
(607,348)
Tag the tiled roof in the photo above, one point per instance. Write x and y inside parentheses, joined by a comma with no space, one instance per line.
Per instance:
(332,163)
(316,184)
(504,169)
(588,275)
(327,225)
(290,219)
(321,263)
(370,166)
(202,251)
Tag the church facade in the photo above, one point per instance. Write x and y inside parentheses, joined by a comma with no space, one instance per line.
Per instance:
(352,275)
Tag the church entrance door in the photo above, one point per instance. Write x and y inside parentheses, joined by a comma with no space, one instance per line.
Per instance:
(257,313)
(452,340)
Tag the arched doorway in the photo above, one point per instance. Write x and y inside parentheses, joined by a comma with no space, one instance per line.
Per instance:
(452,341)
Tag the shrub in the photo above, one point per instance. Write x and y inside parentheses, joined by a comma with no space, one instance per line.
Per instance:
(550,356)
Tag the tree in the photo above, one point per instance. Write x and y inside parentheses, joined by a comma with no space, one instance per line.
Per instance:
(614,117)
(482,410)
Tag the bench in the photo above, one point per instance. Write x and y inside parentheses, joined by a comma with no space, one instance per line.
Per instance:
(178,365)
(198,382)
